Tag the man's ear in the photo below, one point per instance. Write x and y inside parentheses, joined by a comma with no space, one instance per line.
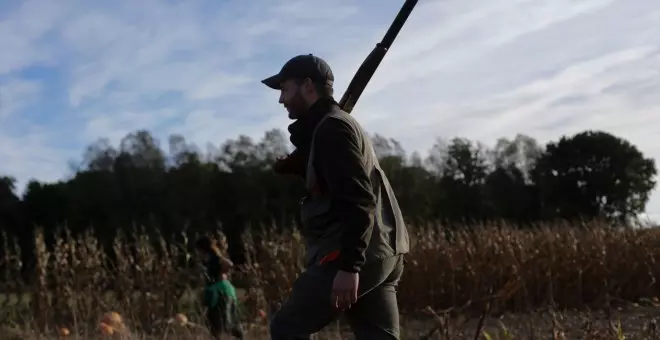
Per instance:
(308,85)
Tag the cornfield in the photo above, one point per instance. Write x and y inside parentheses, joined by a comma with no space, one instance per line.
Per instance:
(468,281)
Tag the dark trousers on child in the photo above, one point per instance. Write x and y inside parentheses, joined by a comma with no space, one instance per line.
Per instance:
(222,319)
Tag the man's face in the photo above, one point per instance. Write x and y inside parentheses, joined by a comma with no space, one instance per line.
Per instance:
(291,96)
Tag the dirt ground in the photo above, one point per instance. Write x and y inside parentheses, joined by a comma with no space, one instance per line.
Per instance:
(631,322)
(634,322)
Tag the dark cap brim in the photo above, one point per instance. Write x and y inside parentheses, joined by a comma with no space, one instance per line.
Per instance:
(273,82)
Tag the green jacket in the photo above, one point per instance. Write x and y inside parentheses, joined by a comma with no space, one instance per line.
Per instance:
(216,288)
(220,292)
(350,207)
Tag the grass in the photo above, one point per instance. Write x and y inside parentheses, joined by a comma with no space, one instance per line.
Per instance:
(496,281)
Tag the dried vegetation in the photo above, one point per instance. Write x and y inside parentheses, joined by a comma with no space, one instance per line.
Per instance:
(490,282)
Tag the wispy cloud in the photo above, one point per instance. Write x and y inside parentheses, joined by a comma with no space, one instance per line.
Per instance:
(79,71)
(15,94)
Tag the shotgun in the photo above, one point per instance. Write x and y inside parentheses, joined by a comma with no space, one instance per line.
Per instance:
(371,63)
(359,82)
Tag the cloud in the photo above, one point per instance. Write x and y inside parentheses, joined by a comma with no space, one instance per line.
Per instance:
(15,94)
(31,157)
(22,31)
(482,70)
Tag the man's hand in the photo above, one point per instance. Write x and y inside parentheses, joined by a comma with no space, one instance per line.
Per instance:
(345,290)
(291,164)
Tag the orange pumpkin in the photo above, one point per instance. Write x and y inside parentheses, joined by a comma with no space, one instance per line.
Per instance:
(63,332)
(106,329)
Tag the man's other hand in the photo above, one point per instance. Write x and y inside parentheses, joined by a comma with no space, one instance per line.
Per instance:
(345,290)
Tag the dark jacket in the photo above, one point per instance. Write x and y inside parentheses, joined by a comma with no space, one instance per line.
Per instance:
(350,209)
(212,269)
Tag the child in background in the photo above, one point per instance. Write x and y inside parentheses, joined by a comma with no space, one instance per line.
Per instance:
(220,297)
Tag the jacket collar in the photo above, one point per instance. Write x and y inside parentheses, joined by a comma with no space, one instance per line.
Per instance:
(301,130)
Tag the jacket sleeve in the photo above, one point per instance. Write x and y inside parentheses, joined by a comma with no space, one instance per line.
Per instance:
(339,162)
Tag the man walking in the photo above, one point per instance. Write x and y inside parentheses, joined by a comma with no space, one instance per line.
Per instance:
(353,227)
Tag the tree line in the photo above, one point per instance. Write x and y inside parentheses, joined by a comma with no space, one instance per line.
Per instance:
(592,174)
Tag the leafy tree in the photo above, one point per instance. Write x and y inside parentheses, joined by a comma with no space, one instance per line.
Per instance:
(10,203)
(461,168)
(232,186)
(510,191)
(594,174)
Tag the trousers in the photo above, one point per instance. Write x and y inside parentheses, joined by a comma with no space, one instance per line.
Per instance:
(374,316)
(221,320)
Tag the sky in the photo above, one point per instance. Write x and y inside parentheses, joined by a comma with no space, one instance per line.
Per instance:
(72,72)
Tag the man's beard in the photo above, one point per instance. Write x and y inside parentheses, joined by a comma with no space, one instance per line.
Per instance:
(296,107)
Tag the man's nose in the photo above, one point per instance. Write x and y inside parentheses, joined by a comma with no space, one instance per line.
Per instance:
(281,99)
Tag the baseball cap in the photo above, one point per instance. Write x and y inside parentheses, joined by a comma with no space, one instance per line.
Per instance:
(302,66)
